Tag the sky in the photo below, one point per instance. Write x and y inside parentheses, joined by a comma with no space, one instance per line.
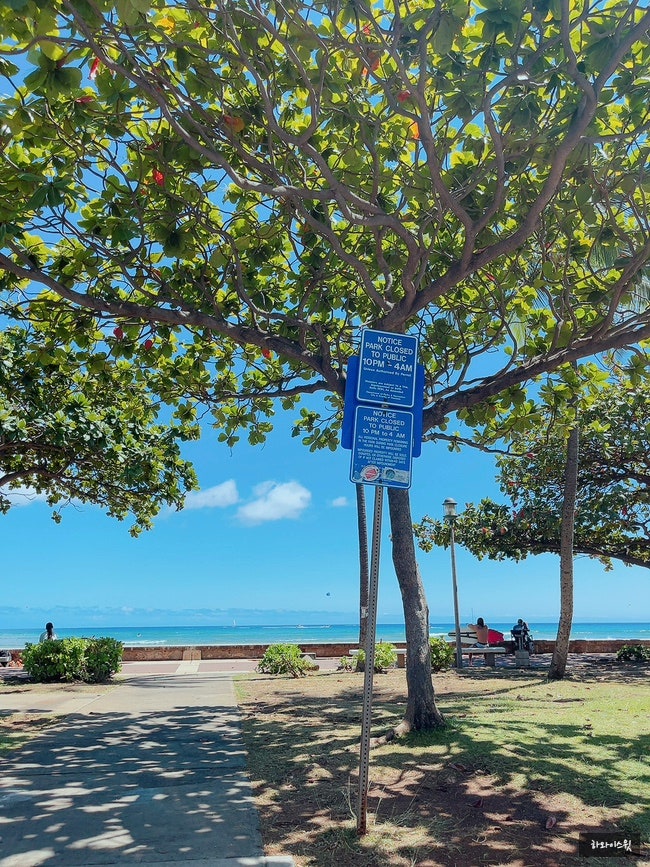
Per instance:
(271,538)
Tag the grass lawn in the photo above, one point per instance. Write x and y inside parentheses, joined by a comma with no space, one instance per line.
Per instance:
(522,767)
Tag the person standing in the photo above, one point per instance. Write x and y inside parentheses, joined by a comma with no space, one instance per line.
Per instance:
(49,634)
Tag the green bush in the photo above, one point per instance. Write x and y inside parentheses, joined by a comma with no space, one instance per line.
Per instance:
(385,657)
(633,653)
(61,659)
(347,663)
(285,659)
(442,654)
(92,660)
(103,659)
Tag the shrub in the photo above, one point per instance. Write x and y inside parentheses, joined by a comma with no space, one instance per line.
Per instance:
(633,653)
(285,659)
(92,660)
(385,657)
(347,663)
(442,654)
(61,659)
(103,659)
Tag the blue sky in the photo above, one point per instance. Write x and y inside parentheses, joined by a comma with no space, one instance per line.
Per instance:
(272,538)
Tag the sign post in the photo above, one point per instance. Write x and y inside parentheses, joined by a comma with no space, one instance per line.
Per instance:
(369,671)
(382,425)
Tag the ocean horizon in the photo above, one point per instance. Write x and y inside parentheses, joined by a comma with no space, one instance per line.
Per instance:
(174,636)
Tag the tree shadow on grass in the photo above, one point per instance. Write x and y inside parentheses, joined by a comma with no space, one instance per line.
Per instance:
(448,797)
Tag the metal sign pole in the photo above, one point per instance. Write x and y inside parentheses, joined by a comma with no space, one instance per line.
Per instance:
(373,590)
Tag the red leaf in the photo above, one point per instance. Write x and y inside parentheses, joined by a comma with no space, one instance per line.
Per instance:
(403,95)
(84,100)
(158,177)
(118,332)
(236,124)
(148,344)
(266,353)
(95,68)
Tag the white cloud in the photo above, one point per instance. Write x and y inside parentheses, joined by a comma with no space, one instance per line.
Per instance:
(340,502)
(23,496)
(217,497)
(274,502)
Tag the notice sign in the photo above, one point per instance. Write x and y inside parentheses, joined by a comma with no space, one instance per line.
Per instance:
(381,447)
(387,368)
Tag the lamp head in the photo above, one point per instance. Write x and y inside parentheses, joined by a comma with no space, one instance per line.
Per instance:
(449,507)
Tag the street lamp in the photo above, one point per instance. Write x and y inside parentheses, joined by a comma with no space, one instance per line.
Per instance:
(451,514)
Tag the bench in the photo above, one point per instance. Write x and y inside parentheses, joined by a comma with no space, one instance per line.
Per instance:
(400,651)
(468,641)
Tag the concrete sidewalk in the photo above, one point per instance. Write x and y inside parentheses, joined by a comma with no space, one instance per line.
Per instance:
(150,770)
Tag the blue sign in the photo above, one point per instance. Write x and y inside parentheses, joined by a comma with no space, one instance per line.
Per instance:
(381,447)
(387,368)
(350,406)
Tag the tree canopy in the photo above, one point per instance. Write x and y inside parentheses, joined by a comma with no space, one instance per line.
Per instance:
(612,517)
(273,176)
(80,436)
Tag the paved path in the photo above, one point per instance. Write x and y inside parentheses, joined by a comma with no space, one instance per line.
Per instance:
(151,770)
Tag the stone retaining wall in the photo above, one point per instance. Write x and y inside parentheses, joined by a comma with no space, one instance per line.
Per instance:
(256,651)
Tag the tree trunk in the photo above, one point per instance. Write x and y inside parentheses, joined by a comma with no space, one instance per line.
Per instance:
(561,652)
(421,711)
(364,569)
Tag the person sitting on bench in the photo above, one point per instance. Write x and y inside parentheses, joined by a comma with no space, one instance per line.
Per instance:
(481,631)
(521,634)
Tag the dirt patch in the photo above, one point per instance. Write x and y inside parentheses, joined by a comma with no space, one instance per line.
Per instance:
(435,800)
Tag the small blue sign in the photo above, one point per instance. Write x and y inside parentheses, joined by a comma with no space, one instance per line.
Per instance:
(387,368)
(382,447)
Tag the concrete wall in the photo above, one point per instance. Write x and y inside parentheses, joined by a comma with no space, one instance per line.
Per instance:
(256,651)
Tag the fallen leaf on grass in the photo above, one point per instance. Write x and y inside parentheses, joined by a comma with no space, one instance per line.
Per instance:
(478,802)
(457,766)
(551,822)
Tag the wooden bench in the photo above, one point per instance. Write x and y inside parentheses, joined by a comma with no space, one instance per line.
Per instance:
(400,651)
(468,641)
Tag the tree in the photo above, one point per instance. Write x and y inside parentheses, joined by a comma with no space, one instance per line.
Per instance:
(80,436)
(612,515)
(569,493)
(260,180)
(564,501)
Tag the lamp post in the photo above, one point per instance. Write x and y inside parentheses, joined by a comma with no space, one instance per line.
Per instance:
(451,514)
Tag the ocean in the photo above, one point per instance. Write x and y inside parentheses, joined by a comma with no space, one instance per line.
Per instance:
(169,636)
